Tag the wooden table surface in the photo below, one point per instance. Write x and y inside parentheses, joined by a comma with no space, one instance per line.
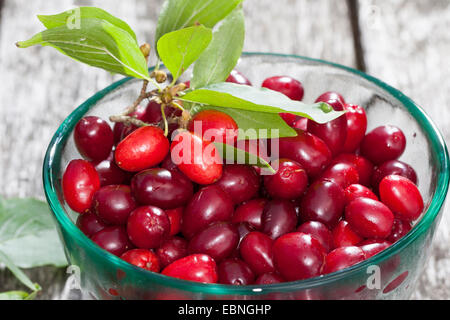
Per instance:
(406,43)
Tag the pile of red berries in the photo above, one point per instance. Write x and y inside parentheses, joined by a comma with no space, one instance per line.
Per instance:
(339,196)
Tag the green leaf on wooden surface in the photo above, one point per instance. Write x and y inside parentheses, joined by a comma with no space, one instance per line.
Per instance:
(222,54)
(98,43)
(28,235)
(249,98)
(22,277)
(179,49)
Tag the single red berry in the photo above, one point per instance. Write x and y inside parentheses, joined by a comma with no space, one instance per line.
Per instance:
(354,191)
(142,149)
(79,183)
(362,165)
(344,236)
(342,258)
(237,77)
(199,160)
(210,204)
(113,204)
(318,231)
(213,125)
(235,272)
(113,239)
(171,250)
(330,95)
(250,212)
(356,127)
(175,217)
(278,218)
(269,278)
(89,223)
(402,196)
(369,218)
(109,172)
(342,174)
(289,118)
(392,167)
(290,87)
(298,256)
(383,143)
(142,258)
(372,247)
(94,138)
(399,230)
(256,250)
(196,267)
(289,182)
(148,227)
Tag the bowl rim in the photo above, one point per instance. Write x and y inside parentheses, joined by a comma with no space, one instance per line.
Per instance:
(438,148)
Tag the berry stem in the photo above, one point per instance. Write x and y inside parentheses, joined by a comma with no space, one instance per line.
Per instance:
(166,125)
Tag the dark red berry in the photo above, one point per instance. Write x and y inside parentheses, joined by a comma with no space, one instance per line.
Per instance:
(250,212)
(278,218)
(121,130)
(399,230)
(342,258)
(196,267)
(213,125)
(148,227)
(171,250)
(235,272)
(354,191)
(142,258)
(237,77)
(289,181)
(243,229)
(290,87)
(113,204)
(330,95)
(344,236)
(153,112)
(383,143)
(256,250)
(342,174)
(109,172)
(372,247)
(89,223)
(168,164)
(356,127)
(175,217)
(362,165)
(319,232)
(113,239)
(269,278)
(392,167)
(93,137)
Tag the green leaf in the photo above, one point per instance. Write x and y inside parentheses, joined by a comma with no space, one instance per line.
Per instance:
(249,98)
(72,17)
(14,295)
(179,14)
(179,49)
(222,54)
(22,277)
(98,43)
(28,236)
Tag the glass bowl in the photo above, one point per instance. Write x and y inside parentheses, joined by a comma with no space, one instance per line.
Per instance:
(391,274)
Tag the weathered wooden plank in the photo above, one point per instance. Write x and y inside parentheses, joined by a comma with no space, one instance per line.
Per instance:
(406,44)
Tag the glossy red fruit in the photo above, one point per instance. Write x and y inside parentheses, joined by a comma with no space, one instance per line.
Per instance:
(342,258)
(240,182)
(196,267)
(344,236)
(324,202)
(399,230)
(235,272)
(392,167)
(109,172)
(278,218)
(269,278)
(250,212)
(142,149)
(113,239)
(402,196)
(333,133)
(93,137)
(175,217)
(300,123)
(362,165)
(342,174)
(369,218)
(372,247)
(148,227)
(89,223)
(356,127)
(289,118)
(330,95)
(289,182)
(153,112)
(298,256)
(218,241)
(243,229)
(256,251)
(142,258)
(290,87)
(318,231)
(355,191)
(113,204)
(383,143)
(213,125)
(79,183)
(171,250)
(237,77)
(162,188)
(199,160)
(210,204)
(308,150)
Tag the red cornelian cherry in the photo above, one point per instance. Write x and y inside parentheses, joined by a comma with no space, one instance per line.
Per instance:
(113,239)
(196,267)
(383,143)
(308,150)
(210,204)
(199,160)
(399,230)
(79,183)
(324,202)
(256,251)
(278,218)
(142,149)
(356,126)
(148,227)
(318,231)
(289,182)
(237,77)
(240,182)
(300,123)
(369,218)
(171,250)
(372,247)
(113,204)
(218,241)
(269,278)
(235,272)
(153,112)
(290,87)
(362,165)
(213,125)
(330,95)
(142,258)
(342,174)
(344,236)
(89,223)
(354,191)
(94,138)
(109,172)
(298,256)
(392,167)
(250,212)
(402,196)
(342,258)
(162,188)
(175,216)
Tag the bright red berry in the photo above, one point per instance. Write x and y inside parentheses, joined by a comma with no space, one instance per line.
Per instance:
(362,165)
(213,125)
(237,77)
(290,87)
(289,181)
(372,247)
(342,258)
(392,167)
(196,267)
(235,272)
(171,250)
(148,227)
(354,191)
(175,217)
(344,236)
(113,204)
(342,174)
(356,126)
(278,218)
(256,250)
(142,258)
(399,230)
(250,212)
(318,231)
(383,143)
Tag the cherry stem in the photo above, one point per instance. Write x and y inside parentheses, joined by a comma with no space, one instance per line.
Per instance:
(166,125)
